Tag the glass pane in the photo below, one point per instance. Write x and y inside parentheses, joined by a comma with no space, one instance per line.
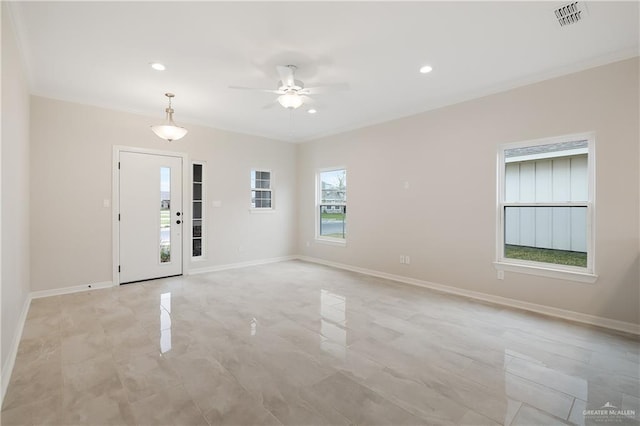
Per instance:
(197,172)
(260,179)
(333,187)
(197,228)
(547,173)
(197,209)
(197,247)
(165,214)
(261,199)
(197,191)
(333,221)
(555,235)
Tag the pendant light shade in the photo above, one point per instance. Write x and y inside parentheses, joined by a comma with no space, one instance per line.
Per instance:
(290,100)
(168,130)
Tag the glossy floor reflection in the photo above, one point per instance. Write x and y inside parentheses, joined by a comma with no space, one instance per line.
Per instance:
(303,344)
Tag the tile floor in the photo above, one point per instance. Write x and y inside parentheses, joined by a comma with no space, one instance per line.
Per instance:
(303,344)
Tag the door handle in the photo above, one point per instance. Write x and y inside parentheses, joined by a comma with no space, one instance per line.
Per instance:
(178,222)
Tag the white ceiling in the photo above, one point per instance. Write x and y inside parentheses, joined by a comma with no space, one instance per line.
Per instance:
(99,54)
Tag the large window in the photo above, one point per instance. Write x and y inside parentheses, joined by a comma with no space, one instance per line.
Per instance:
(545,207)
(261,191)
(331,205)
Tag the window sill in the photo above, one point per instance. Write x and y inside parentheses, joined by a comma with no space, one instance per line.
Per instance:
(331,241)
(260,211)
(543,271)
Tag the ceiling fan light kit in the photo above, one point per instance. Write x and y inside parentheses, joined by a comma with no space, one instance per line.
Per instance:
(169,130)
(290,100)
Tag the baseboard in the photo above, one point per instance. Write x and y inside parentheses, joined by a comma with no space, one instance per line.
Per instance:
(196,271)
(72,289)
(7,368)
(608,323)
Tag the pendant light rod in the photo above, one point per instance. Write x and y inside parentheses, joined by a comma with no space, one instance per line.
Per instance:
(169,130)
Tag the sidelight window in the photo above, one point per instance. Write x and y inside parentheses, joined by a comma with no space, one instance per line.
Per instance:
(165,214)
(197,211)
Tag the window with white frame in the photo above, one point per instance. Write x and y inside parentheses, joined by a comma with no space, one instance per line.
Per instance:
(545,205)
(331,204)
(261,191)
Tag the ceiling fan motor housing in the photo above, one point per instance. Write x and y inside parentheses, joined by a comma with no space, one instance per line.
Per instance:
(298,85)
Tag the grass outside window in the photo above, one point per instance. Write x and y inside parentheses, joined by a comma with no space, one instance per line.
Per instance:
(557,257)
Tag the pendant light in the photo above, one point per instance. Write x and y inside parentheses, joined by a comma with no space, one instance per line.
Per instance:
(168,130)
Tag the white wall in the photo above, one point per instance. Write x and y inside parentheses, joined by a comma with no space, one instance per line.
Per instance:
(445,220)
(71,171)
(14,287)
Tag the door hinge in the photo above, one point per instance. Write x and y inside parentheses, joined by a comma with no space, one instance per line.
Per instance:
(118,268)
(118,217)
(118,165)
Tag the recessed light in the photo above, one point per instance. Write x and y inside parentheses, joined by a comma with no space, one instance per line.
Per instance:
(158,66)
(426,69)
(312,111)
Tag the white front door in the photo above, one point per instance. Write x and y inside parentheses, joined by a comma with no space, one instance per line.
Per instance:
(150,216)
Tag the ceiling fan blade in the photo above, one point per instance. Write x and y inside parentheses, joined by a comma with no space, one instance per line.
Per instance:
(286,75)
(256,89)
(325,88)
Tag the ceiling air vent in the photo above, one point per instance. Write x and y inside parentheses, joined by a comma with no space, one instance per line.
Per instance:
(571,13)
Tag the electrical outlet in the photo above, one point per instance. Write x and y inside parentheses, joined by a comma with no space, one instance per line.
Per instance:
(501,275)
(407,260)
(402,260)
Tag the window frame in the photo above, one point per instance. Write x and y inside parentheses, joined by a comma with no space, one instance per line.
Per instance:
(574,273)
(252,179)
(318,201)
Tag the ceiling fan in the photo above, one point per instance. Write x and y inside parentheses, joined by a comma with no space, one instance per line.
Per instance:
(292,92)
